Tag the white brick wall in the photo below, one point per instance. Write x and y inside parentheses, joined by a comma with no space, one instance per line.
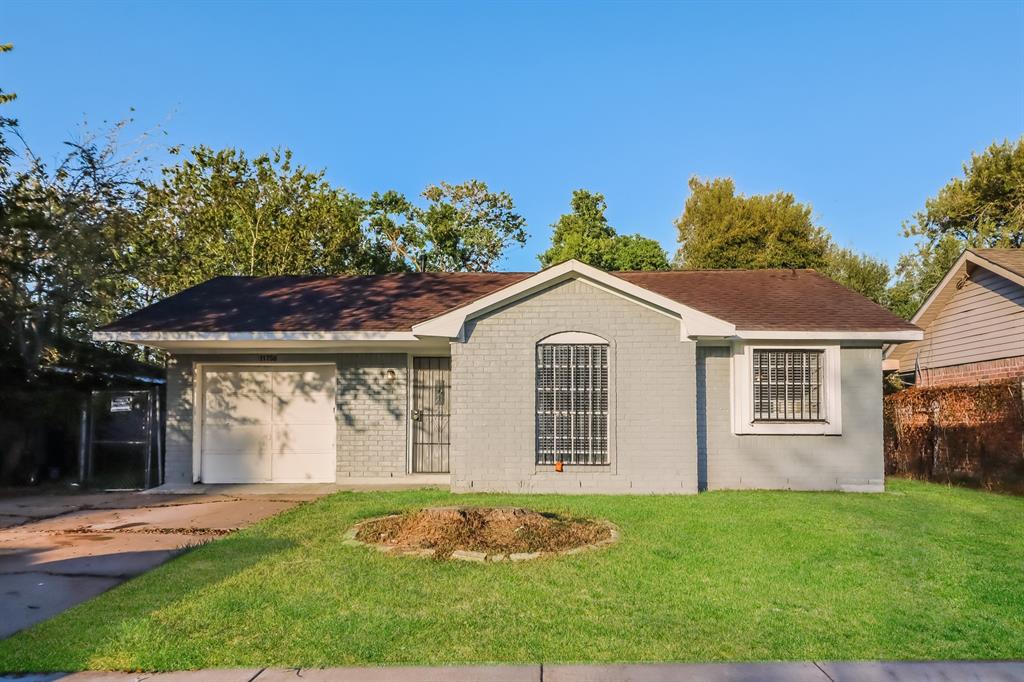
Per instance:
(371,412)
(178,439)
(371,415)
(797,462)
(669,409)
(652,421)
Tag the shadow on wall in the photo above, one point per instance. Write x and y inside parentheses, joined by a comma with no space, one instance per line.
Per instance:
(245,401)
(366,377)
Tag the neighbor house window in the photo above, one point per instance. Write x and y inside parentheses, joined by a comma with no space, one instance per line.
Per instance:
(788,385)
(572,402)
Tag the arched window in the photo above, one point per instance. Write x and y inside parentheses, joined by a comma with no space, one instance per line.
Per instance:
(572,399)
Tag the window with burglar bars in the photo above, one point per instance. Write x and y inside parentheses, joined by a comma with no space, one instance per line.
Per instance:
(572,403)
(787,385)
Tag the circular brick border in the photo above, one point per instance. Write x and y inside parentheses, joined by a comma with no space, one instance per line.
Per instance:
(469,555)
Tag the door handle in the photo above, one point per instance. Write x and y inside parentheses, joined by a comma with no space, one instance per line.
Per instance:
(416,415)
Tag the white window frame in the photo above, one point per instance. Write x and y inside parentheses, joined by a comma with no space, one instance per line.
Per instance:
(743,392)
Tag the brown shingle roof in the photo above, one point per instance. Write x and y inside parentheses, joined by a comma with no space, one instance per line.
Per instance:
(294,303)
(798,300)
(1011,259)
(795,300)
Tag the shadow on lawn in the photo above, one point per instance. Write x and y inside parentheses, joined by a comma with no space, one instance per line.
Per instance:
(117,613)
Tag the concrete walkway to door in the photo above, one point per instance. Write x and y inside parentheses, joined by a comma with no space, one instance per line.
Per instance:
(58,550)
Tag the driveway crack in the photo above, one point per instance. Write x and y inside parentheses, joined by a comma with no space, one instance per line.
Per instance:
(818,666)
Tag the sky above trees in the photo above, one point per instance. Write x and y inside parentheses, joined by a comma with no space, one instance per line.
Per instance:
(863,111)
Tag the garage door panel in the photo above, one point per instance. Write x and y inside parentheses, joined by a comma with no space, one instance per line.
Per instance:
(236,468)
(312,468)
(236,439)
(301,438)
(304,380)
(238,397)
(269,424)
(311,408)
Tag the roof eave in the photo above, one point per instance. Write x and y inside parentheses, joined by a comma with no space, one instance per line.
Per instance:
(878,336)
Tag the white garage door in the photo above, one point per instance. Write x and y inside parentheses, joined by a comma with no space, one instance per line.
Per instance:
(268,424)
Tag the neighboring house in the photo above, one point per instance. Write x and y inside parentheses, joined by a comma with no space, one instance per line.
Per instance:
(973,324)
(567,380)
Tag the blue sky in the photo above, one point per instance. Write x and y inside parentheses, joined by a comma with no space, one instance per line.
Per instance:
(862,110)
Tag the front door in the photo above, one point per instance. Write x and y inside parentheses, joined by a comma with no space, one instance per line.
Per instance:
(431,400)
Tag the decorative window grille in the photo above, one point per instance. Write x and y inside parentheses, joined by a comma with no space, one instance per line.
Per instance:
(787,385)
(572,403)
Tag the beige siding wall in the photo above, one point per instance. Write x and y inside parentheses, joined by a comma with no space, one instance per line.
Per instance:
(797,462)
(983,320)
(371,414)
(652,418)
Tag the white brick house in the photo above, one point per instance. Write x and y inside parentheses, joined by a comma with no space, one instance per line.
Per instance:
(567,380)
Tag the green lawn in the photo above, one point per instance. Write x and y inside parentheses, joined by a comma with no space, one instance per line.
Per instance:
(920,572)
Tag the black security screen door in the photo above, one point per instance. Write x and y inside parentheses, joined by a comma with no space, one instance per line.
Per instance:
(431,401)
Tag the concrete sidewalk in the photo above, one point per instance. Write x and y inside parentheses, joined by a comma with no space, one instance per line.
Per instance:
(896,671)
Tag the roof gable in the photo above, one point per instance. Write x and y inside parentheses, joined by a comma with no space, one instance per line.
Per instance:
(994,260)
(694,322)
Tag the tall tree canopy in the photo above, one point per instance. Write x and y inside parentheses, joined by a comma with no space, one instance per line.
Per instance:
(984,208)
(61,234)
(722,229)
(222,213)
(860,272)
(462,227)
(585,235)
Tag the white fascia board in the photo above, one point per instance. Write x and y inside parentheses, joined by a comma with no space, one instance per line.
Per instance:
(895,336)
(450,324)
(283,340)
(142,337)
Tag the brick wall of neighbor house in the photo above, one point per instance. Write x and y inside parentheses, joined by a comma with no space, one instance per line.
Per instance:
(972,372)
(798,462)
(652,418)
(372,435)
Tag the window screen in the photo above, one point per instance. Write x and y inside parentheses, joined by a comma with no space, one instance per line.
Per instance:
(787,385)
(572,403)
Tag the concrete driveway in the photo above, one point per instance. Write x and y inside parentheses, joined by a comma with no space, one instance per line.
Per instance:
(59,550)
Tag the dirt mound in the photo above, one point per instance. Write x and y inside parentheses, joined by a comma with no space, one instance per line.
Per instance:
(492,531)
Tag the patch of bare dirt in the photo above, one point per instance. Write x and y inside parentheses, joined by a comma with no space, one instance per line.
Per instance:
(492,530)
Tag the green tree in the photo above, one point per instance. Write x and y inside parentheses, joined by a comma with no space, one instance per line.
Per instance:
(984,208)
(860,272)
(61,232)
(6,97)
(722,229)
(222,213)
(636,252)
(920,271)
(584,234)
(463,227)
